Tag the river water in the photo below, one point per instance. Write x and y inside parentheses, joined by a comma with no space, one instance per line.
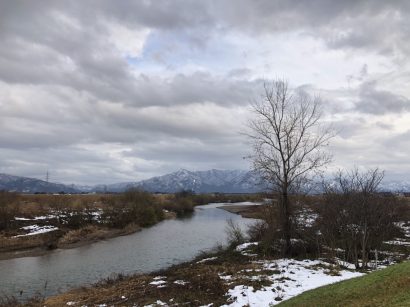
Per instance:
(167,243)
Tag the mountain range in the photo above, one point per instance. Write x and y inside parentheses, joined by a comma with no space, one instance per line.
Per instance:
(222,181)
(32,185)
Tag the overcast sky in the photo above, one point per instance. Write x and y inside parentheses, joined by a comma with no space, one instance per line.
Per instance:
(110,91)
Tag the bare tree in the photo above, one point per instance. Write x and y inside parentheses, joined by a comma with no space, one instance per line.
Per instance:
(355,217)
(288,144)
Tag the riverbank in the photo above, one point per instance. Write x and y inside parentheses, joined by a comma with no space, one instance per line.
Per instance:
(34,225)
(170,242)
(237,277)
(233,277)
(253,211)
(72,239)
(42,244)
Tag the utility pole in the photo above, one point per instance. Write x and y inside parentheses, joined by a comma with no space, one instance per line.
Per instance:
(47,176)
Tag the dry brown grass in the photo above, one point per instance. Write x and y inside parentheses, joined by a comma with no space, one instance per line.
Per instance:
(10,243)
(90,232)
(203,286)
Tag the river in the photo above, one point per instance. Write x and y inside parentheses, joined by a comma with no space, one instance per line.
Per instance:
(163,245)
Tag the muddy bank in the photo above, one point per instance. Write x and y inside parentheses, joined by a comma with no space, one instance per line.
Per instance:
(47,243)
(246,211)
(240,276)
(41,244)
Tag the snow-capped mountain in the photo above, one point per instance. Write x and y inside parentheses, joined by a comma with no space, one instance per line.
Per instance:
(223,181)
(32,185)
(395,186)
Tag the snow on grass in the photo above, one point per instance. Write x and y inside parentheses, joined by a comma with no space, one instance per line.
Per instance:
(158,282)
(405,227)
(96,215)
(159,277)
(207,259)
(45,217)
(225,277)
(157,303)
(181,282)
(35,229)
(36,218)
(398,241)
(289,278)
(22,219)
(307,217)
(243,246)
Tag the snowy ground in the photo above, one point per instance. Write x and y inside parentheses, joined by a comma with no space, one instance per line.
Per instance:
(405,227)
(281,279)
(289,278)
(44,219)
(284,279)
(269,282)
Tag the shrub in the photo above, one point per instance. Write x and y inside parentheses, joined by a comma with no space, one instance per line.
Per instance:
(8,209)
(235,233)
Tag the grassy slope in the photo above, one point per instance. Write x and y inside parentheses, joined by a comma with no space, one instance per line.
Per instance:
(387,287)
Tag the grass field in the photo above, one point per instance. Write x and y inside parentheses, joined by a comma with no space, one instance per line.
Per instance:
(387,287)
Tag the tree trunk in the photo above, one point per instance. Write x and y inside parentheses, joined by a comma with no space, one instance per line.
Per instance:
(286,223)
(364,243)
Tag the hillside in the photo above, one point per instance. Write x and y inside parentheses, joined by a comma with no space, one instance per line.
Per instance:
(387,287)
(32,185)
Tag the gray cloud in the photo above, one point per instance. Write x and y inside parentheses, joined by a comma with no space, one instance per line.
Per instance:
(374,101)
(377,25)
(74,102)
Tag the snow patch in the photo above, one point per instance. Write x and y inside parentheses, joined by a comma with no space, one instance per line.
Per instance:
(35,229)
(307,217)
(181,282)
(207,259)
(157,303)
(398,241)
(159,277)
(158,283)
(294,278)
(243,246)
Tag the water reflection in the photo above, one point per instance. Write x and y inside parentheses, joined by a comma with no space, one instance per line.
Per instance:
(167,243)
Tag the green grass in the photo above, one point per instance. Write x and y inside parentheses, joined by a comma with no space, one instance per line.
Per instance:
(387,287)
